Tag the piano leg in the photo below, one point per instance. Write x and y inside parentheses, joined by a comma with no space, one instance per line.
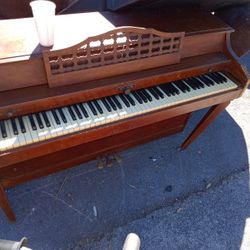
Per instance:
(4,204)
(210,116)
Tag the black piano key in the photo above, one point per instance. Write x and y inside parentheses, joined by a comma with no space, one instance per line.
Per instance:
(219,81)
(198,82)
(206,80)
(46,119)
(147,95)
(185,86)
(111,103)
(84,111)
(71,113)
(222,76)
(14,126)
(32,122)
(214,78)
(159,92)
(106,105)
(55,117)
(77,111)
(166,90)
(144,98)
(39,120)
(99,108)
(218,76)
(92,108)
(117,103)
(125,101)
(137,97)
(21,123)
(195,84)
(182,86)
(153,93)
(191,84)
(209,80)
(130,99)
(3,129)
(63,117)
(174,89)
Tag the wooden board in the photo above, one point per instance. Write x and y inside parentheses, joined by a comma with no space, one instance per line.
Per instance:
(37,167)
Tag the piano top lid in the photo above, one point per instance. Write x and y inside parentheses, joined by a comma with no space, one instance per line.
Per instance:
(19,39)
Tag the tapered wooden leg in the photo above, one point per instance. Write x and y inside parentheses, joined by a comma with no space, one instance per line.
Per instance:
(210,116)
(5,205)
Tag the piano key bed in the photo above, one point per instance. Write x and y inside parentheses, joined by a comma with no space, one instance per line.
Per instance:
(32,128)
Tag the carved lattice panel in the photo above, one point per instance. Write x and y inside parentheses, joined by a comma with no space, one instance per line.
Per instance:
(127,46)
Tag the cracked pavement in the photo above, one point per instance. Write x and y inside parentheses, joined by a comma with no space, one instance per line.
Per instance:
(197,199)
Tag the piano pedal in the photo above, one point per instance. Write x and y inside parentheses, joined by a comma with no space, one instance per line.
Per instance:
(108,160)
(113,159)
(101,162)
(105,161)
(117,158)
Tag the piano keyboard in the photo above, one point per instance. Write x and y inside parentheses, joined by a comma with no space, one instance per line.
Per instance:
(28,129)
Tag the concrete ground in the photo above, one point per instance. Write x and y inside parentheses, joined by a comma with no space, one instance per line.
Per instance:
(195,199)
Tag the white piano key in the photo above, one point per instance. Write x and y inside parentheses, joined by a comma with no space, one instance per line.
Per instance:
(30,135)
(91,116)
(101,117)
(7,142)
(125,111)
(71,126)
(105,113)
(75,122)
(11,140)
(141,108)
(138,107)
(46,130)
(41,132)
(86,121)
(62,126)
(55,130)
(21,137)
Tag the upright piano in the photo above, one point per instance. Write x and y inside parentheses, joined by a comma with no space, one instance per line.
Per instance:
(111,81)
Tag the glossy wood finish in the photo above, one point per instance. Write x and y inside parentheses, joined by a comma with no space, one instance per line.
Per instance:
(206,48)
(119,51)
(23,49)
(27,100)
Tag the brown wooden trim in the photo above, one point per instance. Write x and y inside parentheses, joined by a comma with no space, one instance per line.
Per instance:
(5,205)
(237,68)
(204,123)
(28,100)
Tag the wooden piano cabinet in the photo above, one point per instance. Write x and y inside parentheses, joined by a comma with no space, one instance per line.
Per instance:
(22,54)
(42,166)
(32,77)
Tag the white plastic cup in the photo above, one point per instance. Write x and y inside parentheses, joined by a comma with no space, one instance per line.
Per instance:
(44,16)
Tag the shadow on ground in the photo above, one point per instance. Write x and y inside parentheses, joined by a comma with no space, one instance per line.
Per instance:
(65,210)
